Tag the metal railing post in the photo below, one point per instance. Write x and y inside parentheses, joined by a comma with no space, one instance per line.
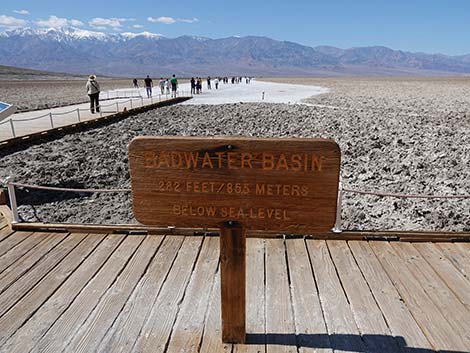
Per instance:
(51,120)
(13,204)
(141,101)
(117,107)
(78,114)
(12,128)
(337,226)
(131,102)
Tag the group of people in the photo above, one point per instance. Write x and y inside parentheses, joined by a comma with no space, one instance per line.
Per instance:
(167,86)
(196,82)
(93,89)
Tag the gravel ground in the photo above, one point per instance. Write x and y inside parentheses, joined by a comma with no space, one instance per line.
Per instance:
(396,135)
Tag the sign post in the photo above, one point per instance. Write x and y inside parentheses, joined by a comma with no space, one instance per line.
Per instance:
(232,281)
(235,184)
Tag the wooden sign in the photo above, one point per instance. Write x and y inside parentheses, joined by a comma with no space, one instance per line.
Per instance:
(276,185)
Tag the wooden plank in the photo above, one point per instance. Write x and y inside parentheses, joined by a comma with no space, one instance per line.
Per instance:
(188,328)
(178,231)
(233,282)
(310,326)
(19,250)
(275,184)
(124,333)
(6,214)
(63,330)
(402,324)
(12,240)
(156,332)
(211,339)
(369,319)
(24,284)
(105,313)
(434,325)
(342,328)
(449,274)
(280,329)
(29,334)
(456,313)
(255,299)
(5,232)
(18,314)
(28,260)
(458,255)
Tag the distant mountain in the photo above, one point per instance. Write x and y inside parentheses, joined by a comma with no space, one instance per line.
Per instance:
(135,54)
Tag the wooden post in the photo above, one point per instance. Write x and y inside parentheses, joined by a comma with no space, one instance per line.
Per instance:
(232,280)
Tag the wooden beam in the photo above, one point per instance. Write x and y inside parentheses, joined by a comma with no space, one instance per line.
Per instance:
(232,277)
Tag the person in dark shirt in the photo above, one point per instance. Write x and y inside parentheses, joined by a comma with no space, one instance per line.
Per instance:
(174,86)
(193,85)
(209,82)
(136,84)
(148,86)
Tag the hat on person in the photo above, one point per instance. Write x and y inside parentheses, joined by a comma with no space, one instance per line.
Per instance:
(92,77)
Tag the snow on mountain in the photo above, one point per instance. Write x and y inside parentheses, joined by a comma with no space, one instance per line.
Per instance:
(131,35)
(73,33)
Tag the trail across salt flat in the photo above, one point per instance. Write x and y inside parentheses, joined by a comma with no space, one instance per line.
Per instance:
(253,93)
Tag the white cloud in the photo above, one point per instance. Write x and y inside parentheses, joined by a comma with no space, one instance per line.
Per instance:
(8,21)
(76,23)
(137,26)
(58,22)
(163,19)
(21,12)
(101,23)
(53,22)
(170,20)
(188,20)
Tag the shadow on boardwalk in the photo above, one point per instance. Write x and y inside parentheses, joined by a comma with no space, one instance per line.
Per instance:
(342,342)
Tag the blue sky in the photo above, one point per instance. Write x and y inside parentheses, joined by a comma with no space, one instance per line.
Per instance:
(433,26)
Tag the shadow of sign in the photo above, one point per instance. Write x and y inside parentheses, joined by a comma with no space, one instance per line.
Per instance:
(342,342)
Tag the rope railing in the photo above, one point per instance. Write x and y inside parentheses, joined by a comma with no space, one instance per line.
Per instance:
(30,119)
(54,188)
(117,102)
(337,227)
(65,113)
(405,196)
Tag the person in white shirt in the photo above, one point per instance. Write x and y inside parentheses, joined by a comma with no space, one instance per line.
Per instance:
(93,91)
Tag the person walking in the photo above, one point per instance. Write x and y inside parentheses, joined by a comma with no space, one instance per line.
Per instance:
(148,86)
(216,82)
(93,91)
(162,85)
(167,86)
(193,86)
(136,84)
(174,86)
(209,82)
(199,84)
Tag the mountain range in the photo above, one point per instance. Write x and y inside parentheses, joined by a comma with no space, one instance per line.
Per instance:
(79,51)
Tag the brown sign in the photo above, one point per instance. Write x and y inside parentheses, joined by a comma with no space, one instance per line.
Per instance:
(282,185)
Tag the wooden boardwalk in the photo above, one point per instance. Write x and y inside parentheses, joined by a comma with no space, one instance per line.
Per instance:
(62,292)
